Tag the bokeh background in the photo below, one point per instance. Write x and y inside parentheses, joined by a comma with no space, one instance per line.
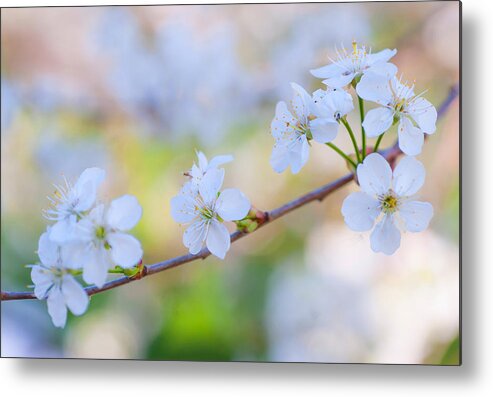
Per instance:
(136,90)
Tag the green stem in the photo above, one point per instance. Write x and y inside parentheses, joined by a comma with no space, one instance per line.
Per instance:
(340,152)
(353,139)
(377,144)
(363,134)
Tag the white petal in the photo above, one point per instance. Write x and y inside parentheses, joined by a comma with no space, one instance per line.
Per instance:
(416,215)
(42,279)
(232,205)
(47,250)
(57,308)
(96,215)
(63,230)
(425,115)
(220,160)
(377,121)
(183,208)
(282,121)
(124,213)
(75,297)
(331,70)
(360,211)
(374,87)
(301,102)
(324,130)
(339,101)
(409,176)
(218,239)
(385,238)
(298,154)
(339,81)
(194,236)
(86,187)
(96,265)
(374,175)
(381,56)
(386,69)
(411,139)
(126,250)
(279,159)
(210,184)
(203,163)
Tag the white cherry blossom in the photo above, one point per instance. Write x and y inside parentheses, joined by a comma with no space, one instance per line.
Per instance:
(386,202)
(53,282)
(205,211)
(200,168)
(103,242)
(70,203)
(348,66)
(398,101)
(312,118)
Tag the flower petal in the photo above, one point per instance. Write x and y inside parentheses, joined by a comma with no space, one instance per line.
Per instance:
(218,239)
(374,175)
(327,71)
(282,121)
(375,87)
(194,236)
(377,121)
(301,103)
(385,238)
(381,56)
(411,139)
(210,184)
(232,205)
(324,130)
(279,159)
(57,308)
(339,81)
(126,250)
(409,176)
(124,213)
(74,295)
(183,208)
(298,154)
(96,265)
(425,115)
(386,69)
(48,251)
(220,160)
(416,215)
(42,279)
(63,230)
(86,187)
(339,101)
(360,211)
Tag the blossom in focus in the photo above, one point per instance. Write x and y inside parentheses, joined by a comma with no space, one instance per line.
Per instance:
(205,211)
(70,203)
(198,170)
(53,282)
(348,66)
(398,101)
(102,241)
(314,117)
(386,202)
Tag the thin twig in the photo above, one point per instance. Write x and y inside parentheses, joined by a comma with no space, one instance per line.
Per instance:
(264,218)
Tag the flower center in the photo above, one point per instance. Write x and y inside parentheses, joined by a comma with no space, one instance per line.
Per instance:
(389,202)
(206,212)
(100,232)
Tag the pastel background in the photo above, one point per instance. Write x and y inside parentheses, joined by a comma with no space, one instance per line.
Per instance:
(136,90)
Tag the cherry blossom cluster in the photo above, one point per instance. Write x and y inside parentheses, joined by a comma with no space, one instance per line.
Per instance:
(386,202)
(86,238)
(202,206)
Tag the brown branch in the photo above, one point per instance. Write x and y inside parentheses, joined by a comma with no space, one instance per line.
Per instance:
(264,218)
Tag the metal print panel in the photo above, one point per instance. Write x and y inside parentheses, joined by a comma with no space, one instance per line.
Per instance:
(265,182)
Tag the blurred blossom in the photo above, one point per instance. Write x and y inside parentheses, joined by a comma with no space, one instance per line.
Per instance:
(310,39)
(185,82)
(410,301)
(10,104)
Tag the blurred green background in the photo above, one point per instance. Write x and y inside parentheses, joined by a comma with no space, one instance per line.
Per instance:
(136,90)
